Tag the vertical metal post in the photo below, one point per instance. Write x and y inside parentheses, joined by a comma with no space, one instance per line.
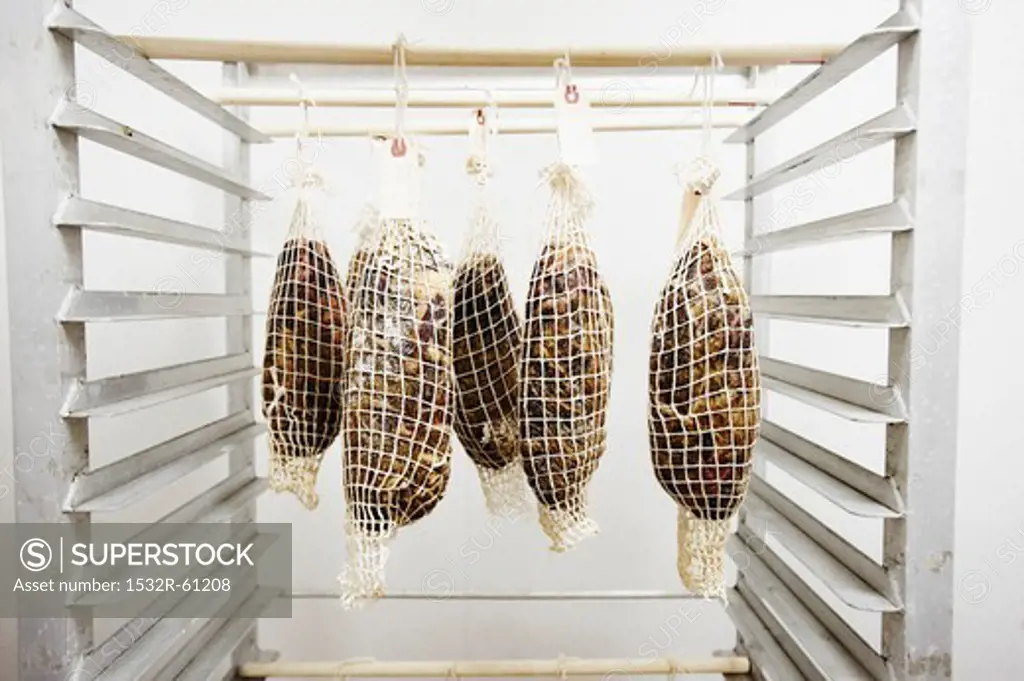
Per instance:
(238,280)
(756,275)
(926,266)
(756,272)
(238,268)
(40,168)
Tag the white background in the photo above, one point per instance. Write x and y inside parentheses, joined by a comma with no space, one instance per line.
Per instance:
(633,231)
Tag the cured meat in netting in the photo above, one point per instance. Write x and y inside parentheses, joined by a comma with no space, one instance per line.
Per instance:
(398,408)
(566,365)
(705,390)
(487,336)
(304,355)
(366,229)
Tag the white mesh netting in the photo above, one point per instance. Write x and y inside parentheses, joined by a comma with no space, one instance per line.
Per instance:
(704,387)
(487,337)
(566,365)
(366,229)
(304,356)
(398,407)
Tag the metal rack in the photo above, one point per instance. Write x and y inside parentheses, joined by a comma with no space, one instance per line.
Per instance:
(786,628)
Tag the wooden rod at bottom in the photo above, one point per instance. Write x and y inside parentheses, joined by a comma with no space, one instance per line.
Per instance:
(620,668)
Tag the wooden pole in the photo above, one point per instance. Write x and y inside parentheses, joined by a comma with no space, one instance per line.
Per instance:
(614,94)
(284,52)
(495,668)
(533,126)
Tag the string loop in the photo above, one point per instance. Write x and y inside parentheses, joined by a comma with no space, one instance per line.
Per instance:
(399,146)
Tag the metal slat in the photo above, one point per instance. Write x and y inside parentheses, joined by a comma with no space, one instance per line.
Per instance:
(852,576)
(881,312)
(197,643)
(768,660)
(131,392)
(226,639)
(884,219)
(740,547)
(806,640)
(102,217)
(134,478)
(221,502)
(102,130)
(116,306)
(859,53)
(847,397)
(125,55)
(845,483)
(888,126)
(836,491)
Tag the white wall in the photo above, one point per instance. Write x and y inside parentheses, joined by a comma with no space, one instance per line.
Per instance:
(632,229)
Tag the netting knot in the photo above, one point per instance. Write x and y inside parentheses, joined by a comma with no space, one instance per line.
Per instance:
(699,175)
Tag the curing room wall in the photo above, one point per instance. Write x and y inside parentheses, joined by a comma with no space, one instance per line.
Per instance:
(455,548)
(989,557)
(8,627)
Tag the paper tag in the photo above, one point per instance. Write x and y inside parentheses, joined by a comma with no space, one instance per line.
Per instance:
(397,179)
(574,126)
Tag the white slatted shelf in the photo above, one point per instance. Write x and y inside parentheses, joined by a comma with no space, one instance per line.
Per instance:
(860,52)
(766,656)
(809,643)
(884,128)
(877,312)
(125,55)
(83,306)
(131,392)
(135,477)
(169,638)
(855,489)
(161,602)
(846,397)
(159,618)
(216,506)
(226,637)
(92,126)
(884,219)
(851,575)
(101,217)
(743,545)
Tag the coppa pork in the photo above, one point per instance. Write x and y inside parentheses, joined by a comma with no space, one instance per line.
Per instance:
(398,414)
(705,389)
(304,357)
(566,366)
(487,339)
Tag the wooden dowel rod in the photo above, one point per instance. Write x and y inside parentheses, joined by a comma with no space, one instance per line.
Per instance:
(495,668)
(615,94)
(611,123)
(282,52)
(511,596)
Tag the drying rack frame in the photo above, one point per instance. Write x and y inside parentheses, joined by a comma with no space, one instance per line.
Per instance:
(786,630)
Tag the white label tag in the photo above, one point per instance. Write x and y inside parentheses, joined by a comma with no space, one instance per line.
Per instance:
(574,126)
(397,179)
